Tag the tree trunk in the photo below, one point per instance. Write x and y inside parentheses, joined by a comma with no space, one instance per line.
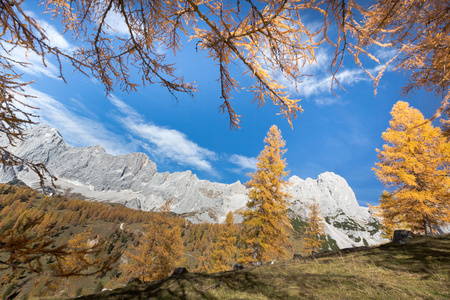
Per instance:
(256,248)
(255,252)
(427,226)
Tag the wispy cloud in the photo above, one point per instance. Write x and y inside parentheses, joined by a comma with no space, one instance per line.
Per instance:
(164,142)
(316,81)
(35,64)
(81,131)
(325,101)
(385,54)
(319,85)
(54,38)
(116,24)
(321,62)
(77,130)
(243,162)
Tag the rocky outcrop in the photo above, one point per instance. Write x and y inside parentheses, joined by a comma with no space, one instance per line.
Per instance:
(402,236)
(134,181)
(348,223)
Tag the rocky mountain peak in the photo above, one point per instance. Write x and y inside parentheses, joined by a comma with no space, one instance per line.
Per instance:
(133,180)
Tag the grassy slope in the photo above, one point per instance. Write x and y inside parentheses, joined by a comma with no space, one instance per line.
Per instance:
(417,270)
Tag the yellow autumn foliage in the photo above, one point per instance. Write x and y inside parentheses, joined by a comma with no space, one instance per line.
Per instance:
(414,167)
(160,251)
(224,247)
(265,219)
(314,230)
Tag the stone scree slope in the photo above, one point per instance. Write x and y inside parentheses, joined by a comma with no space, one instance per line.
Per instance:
(133,180)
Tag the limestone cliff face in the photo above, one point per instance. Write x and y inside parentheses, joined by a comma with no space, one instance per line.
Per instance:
(134,181)
(347,222)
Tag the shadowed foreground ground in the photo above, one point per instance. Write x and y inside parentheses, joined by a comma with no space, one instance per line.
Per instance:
(419,269)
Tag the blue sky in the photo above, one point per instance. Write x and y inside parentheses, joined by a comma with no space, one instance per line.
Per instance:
(337,134)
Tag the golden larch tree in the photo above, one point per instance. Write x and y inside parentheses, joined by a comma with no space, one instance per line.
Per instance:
(224,247)
(160,249)
(203,259)
(414,166)
(202,245)
(389,220)
(265,219)
(314,230)
(76,257)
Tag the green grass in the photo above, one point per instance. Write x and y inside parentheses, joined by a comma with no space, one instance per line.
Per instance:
(417,270)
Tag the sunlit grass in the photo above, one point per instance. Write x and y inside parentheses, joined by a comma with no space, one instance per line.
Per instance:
(418,270)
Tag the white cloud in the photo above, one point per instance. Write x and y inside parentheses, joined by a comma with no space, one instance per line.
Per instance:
(325,101)
(318,85)
(116,24)
(243,162)
(165,142)
(316,79)
(385,54)
(35,64)
(77,130)
(321,62)
(54,38)
(126,109)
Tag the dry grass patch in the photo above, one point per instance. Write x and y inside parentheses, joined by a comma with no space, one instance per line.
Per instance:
(418,270)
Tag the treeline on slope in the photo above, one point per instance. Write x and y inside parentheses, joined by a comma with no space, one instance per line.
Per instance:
(58,211)
(151,244)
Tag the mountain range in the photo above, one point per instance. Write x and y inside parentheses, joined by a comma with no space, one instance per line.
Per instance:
(134,181)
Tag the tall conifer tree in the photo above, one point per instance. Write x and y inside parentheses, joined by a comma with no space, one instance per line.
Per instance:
(224,246)
(311,240)
(265,219)
(414,166)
